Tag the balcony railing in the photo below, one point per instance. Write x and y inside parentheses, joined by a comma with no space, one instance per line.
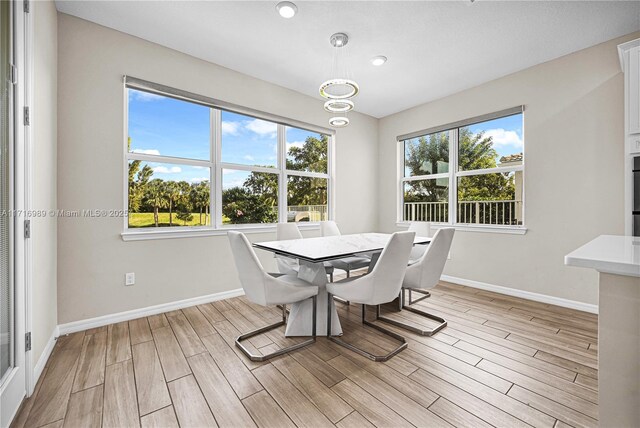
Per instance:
(469,212)
(306,213)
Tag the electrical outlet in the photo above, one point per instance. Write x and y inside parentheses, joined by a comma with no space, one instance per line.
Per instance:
(130,278)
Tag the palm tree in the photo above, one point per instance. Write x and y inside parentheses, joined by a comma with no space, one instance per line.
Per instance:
(172,193)
(200,197)
(155,197)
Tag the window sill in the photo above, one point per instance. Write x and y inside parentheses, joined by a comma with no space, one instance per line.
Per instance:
(510,230)
(187,232)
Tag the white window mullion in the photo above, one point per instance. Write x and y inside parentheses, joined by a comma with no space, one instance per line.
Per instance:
(126,158)
(453,180)
(306,174)
(427,177)
(216,171)
(495,170)
(249,168)
(400,175)
(282,166)
(331,174)
(167,159)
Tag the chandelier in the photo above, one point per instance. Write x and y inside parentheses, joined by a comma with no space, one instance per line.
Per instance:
(340,89)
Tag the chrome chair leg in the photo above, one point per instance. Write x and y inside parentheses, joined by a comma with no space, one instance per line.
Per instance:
(261,330)
(338,299)
(425,294)
(427,332)
(377,358)
(283,307)
(346,302)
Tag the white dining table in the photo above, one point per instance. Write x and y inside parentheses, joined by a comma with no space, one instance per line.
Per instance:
(311,254)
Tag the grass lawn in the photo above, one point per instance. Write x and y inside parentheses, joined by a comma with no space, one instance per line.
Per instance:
(146,220)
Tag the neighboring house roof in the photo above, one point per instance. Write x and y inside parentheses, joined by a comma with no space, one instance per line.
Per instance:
(511,158)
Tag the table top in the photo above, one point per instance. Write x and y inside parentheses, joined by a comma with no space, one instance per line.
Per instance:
(618,255)
(331,247)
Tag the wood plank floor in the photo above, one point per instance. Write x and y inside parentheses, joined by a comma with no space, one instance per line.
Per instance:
(501,361)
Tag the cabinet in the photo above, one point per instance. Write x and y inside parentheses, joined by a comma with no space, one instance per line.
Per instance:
(633,92)
(629,53)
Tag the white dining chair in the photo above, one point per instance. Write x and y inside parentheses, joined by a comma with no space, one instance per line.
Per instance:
(421,228)
(288,265)
(266,289)
(423,275)
(380,286)
(347,264)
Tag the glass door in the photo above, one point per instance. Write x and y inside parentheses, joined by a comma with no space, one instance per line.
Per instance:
(12,296)
(6,141)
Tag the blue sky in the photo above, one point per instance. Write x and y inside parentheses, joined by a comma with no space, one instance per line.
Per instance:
(163,126)
(506,133)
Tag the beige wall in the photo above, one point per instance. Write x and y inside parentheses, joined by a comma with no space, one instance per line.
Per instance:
(44,124)
(92,258)
(574,170)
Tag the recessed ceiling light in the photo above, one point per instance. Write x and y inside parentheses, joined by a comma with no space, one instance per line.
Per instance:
(286,9)
(378,60)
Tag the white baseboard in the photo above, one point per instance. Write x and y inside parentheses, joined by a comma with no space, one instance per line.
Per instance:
(558,301)
(74,326)
(42,360)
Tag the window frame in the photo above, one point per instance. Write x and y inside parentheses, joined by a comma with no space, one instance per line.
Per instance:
(455,173)
(216,166)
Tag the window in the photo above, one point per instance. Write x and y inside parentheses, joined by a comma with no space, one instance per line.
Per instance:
(307,175)
(483,186)
(169,162)
(194,164)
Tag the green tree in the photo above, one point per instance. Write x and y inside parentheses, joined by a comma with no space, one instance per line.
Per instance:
(185,216)
(262,187)
(138,179)
(430,155)
(155,197)
(241,206)
(184,204)
(477,152)
(263,184)
(312,156)
(200,197)
(172,193)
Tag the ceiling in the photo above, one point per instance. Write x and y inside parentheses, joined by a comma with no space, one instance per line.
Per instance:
(434,48)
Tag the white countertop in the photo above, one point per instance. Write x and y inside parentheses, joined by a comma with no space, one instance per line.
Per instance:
(618,255)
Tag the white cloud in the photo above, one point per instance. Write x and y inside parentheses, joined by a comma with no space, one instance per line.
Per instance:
(249,158)
(262,127)
(502,138)
(198,179)
(298,144)
(146,151)
(198,167)
(165,170)
(230,128)
(236,182)
(145,96)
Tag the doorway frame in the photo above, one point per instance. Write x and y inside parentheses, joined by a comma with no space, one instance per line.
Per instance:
(21,381)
